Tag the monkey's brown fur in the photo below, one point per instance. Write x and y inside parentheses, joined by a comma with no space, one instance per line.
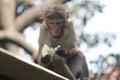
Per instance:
(74,61)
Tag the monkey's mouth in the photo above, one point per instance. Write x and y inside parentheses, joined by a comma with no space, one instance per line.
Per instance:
(56,33)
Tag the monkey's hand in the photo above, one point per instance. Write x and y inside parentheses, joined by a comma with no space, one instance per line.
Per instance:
(47,54)
(47,51)
(62,52)
(47,59)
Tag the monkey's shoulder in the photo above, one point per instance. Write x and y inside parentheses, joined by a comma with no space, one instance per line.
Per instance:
(69,23)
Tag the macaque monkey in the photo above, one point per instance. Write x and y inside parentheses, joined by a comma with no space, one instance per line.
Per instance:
(56,30)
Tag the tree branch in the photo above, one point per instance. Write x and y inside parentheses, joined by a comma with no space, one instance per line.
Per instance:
(2,35)
(30,15)
(7,13)
(18,39)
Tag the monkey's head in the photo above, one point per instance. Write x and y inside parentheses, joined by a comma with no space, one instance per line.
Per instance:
(55,18)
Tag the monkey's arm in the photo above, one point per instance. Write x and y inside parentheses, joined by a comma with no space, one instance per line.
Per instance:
(43,39)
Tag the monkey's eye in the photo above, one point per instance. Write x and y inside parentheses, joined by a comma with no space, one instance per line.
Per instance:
(50,23)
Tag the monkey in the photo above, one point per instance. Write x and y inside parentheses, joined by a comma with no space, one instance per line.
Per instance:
(56,30)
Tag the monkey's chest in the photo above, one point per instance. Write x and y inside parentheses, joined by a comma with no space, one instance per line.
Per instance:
(56,42)
(61,42)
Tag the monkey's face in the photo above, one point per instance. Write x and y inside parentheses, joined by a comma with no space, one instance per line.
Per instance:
(56,26)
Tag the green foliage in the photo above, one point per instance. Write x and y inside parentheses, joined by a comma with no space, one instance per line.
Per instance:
(116,56)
